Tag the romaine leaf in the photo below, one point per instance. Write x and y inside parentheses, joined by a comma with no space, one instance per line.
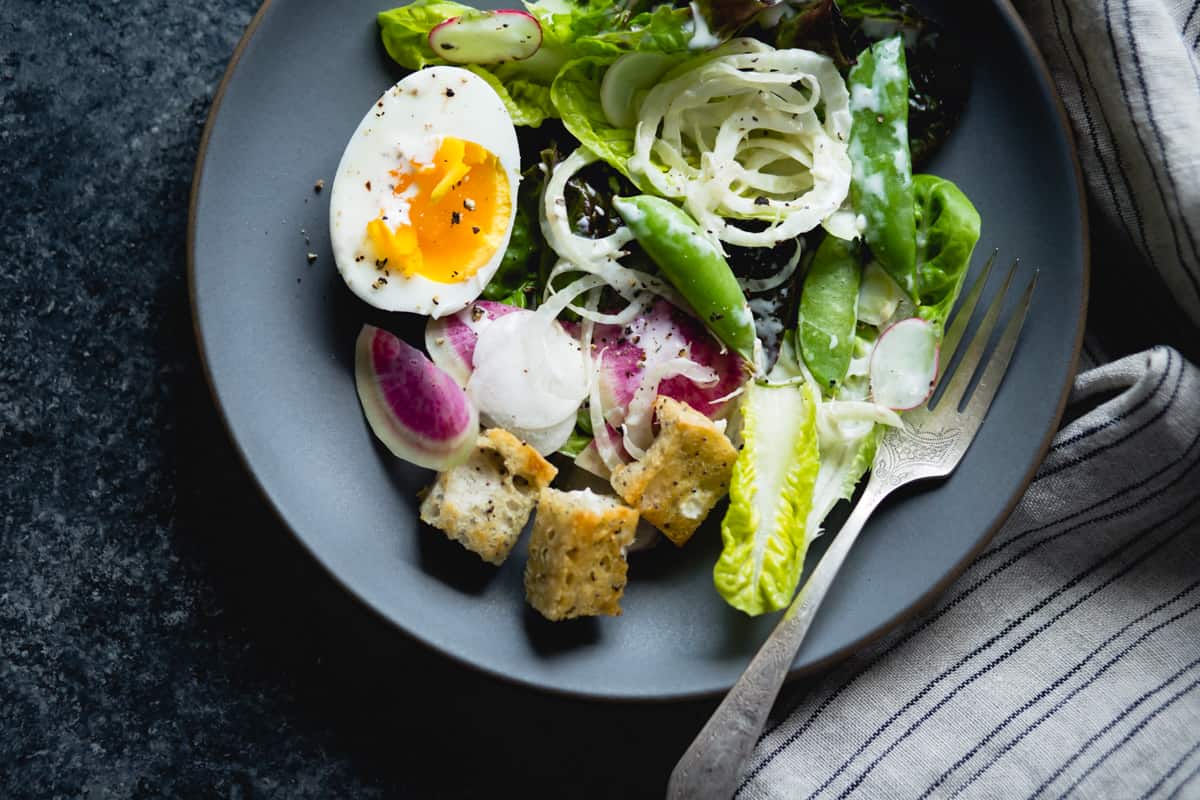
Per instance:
(764,532)
(843,463)
(405,30)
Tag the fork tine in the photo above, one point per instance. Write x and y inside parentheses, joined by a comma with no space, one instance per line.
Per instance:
(960,379)
(953,337)
(993,373)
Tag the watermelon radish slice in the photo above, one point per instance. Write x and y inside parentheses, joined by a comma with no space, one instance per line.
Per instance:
(903,364)
(415,408)
(487,37)
(663,334)
(451,340)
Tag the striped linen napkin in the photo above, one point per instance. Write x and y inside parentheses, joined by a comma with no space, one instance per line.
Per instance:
(1065,661)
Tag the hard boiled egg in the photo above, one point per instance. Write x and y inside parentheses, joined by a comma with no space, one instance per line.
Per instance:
(423,202)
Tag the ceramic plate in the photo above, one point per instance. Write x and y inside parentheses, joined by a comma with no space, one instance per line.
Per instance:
(277,334)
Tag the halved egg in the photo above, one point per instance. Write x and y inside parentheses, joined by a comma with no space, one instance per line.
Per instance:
(423,201)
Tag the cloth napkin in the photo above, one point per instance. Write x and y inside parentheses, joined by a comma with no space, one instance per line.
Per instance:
(1065,661)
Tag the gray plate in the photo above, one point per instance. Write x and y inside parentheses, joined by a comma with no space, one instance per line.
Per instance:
(277,335)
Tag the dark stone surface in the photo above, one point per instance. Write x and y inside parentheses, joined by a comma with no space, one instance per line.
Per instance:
(161,634)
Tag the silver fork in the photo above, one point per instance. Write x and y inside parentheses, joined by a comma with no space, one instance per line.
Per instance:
(931,445)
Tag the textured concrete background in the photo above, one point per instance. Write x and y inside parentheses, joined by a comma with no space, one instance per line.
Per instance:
(160,633)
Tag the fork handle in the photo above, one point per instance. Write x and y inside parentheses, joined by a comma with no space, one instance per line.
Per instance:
(712,764)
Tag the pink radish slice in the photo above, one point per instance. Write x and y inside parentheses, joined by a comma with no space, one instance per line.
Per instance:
(415,408)
(658,336)
(487,37)
(451,340)
(903,364)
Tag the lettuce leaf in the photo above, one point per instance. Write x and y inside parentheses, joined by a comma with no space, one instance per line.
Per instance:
(844,461)
(576,96)
(594,29)
(526,101)
(764,532)
(405,30)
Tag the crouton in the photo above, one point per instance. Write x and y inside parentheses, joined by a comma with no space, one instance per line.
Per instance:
(685,471)
(577,564)
(484,504)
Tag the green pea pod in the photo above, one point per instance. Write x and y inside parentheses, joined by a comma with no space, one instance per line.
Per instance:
(947,228)
(694,266)
(829,311)
(881,187)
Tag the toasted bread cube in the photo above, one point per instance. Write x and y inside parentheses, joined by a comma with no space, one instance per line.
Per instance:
(484,503)
(685,472)
(577,564)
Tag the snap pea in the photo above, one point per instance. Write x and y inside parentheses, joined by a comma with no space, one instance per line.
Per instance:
(694,266)
(829,310)
(947,230)
(881,189)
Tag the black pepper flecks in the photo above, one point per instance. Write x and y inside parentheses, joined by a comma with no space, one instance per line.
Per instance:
(455,217)
(474,229)
(368,185)
(449,92)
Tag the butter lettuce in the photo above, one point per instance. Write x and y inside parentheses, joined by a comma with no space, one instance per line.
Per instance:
(765,532)
(576,96)
(570,31)
(405,30)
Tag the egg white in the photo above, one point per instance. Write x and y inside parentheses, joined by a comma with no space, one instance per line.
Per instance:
(408,124)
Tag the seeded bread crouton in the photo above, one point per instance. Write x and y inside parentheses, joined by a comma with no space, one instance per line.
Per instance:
(685,471)
(484,503)
(577,561)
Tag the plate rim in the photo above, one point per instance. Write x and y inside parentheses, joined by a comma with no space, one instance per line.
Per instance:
(903,615)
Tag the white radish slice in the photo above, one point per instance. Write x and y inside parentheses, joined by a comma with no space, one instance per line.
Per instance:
(547,440)
(529,373)
(628,75)
(487,37)
(903,364)
(451,340)
(414,407)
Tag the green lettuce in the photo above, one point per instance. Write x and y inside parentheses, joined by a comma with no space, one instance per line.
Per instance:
(405,30)
(576,96)
(570,31)
(764,532)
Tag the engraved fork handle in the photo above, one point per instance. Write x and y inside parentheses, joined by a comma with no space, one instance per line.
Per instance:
(712,764)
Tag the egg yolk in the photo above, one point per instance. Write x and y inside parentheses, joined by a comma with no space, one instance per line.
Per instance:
(458,209)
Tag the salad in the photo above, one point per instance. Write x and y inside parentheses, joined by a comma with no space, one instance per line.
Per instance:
(681,247)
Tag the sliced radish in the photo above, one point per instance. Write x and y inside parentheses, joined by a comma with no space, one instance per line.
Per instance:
(624,79)
(487,37)
(529,373)
(415,408)
(547,440)
(662,334)
(904,363)
(451,340)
